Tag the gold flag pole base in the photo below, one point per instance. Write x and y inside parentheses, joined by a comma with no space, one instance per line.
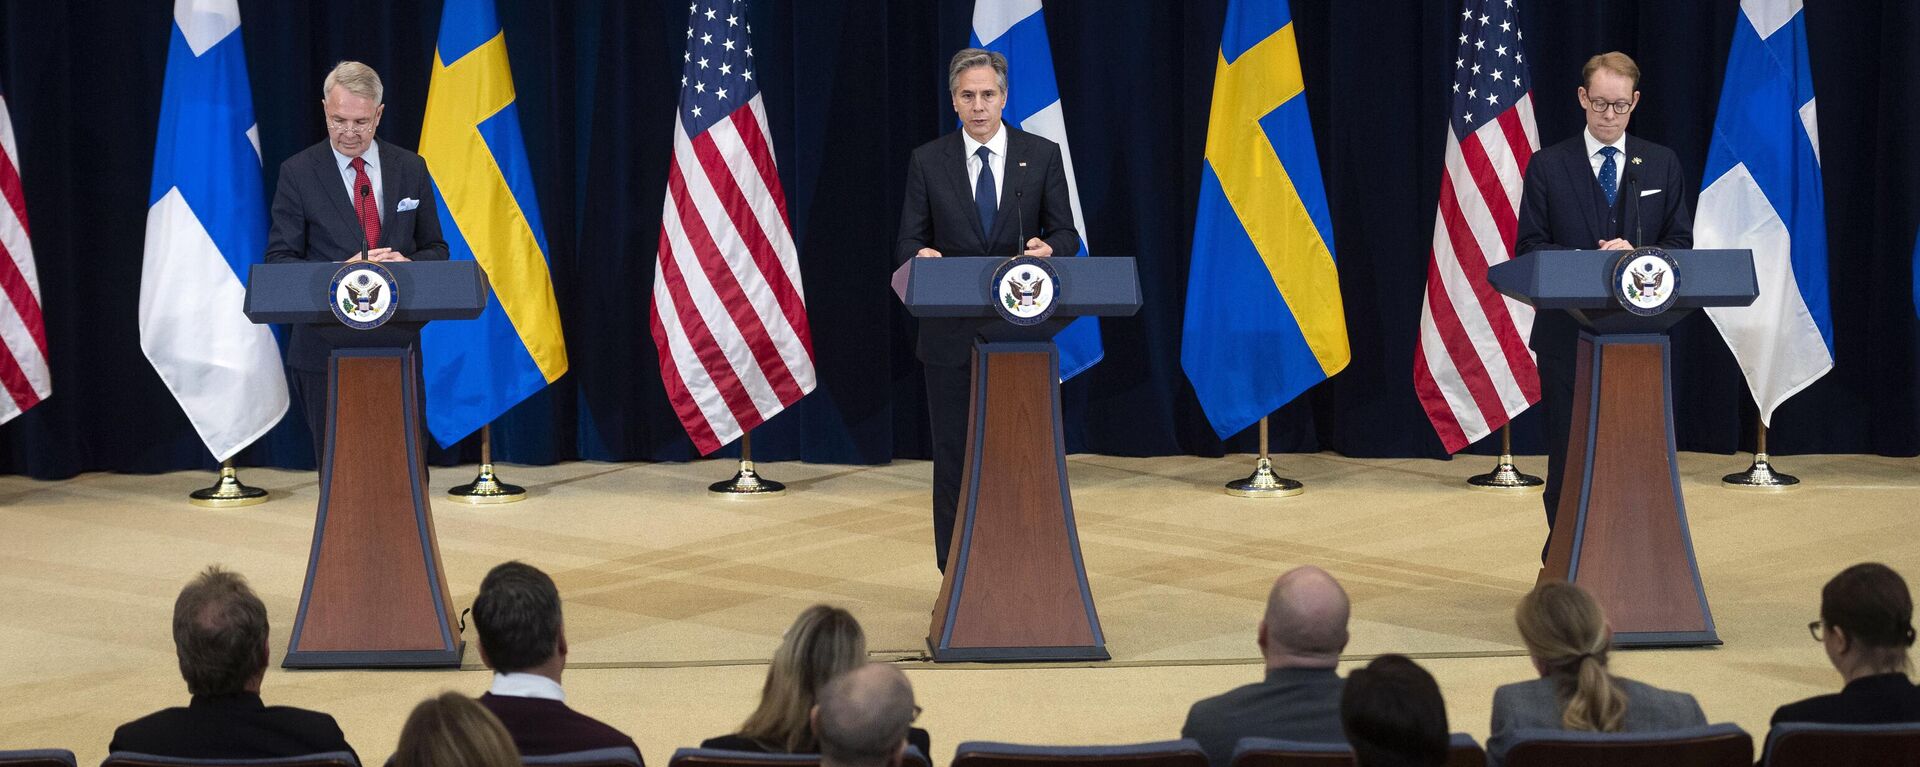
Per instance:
(1759,476)
(746,485)
(1505,476)
(227,492)
(1263,483)
(487,487)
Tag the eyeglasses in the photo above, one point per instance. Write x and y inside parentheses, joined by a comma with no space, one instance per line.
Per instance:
(1818,629)
(916,713)
(340,125)
(1618,107)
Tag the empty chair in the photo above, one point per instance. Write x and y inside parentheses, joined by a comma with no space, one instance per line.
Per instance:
(1800,744)
(1718,745)
(1167,753)
(1462,751)
(329,759)
(715,757)
(595,757)
(38,757)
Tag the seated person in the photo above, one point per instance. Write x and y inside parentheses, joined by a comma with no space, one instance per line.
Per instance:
(1866,624)
(220,636)
(1301,636)
(1567,637)
(822,643)
(453,731)
(863,716)
(1393,715)
(522,638)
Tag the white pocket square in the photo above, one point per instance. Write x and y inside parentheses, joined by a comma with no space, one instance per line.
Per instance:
(409,203)
(1643,193)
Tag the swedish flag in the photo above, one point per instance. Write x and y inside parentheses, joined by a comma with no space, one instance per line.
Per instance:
(1264,318)
(476,370)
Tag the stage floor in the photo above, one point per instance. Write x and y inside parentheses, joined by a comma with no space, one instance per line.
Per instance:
(675,600)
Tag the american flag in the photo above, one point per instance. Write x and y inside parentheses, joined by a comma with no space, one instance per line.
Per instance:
(1472,369)
(729,318)
(23,334)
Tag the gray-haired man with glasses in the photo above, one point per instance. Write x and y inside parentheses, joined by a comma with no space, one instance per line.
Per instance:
(1600,190)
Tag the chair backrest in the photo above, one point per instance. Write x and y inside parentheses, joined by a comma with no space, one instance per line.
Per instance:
(715,757)
(1462,751)
(38,757)
(328,759)
(620,756)
(1168,753)
(1842,745)
(1719,745)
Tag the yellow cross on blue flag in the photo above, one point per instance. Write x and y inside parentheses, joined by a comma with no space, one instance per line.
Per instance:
(1264,318)
(476,369)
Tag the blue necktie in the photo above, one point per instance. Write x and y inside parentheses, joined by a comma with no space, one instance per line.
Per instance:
(983,195)
(1609,174)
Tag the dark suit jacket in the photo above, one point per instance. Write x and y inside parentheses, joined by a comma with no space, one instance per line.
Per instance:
(1293,703)
(939,213)
(1536,704)
(916,737)
(1563,208)
(313,220)
(541,727)
(237,726)
(1878,699)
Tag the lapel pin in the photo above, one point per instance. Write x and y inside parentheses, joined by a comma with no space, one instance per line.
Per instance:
(1023,165)
(1636,161)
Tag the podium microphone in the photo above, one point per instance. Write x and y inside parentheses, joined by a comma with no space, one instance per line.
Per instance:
(1020,230)
(365,191)
(1638,225)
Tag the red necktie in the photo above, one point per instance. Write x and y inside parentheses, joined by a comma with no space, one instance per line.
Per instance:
(363,203)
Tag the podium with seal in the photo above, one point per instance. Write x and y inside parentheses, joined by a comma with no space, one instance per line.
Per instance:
(1621,530)
(1016,587)
(375,593)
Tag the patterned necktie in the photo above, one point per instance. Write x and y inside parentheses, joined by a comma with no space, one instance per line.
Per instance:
(983,194)
(1609,174)
(364,205)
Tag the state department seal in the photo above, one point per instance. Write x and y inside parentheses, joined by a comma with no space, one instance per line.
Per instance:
(363,295)
(1645,281)
(1024,289)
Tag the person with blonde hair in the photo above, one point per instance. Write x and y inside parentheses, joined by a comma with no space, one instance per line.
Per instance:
(1568,639)
(452,730)
(823,642)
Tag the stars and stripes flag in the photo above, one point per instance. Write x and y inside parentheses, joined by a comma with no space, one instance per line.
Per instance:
(729,318)
(24,380)
(1472,369)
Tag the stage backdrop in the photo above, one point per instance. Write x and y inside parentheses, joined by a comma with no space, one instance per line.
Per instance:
(851,87)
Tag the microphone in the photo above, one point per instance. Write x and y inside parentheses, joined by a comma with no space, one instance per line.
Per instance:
(1638,225)
(364,191)
(1020,231)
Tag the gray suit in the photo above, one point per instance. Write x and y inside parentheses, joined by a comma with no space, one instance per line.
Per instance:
(1536,704)
(1293,704)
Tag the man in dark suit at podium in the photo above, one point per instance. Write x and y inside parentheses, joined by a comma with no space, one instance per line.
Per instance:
(352,196)
(1601,190)
(984,190)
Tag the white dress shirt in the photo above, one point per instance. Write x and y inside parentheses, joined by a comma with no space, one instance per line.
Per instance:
(522,685)
(1594,157)
(372,156)
(997,150)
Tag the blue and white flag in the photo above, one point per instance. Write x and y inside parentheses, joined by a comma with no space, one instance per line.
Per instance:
(1763,192)
(206,225)
(1018,30)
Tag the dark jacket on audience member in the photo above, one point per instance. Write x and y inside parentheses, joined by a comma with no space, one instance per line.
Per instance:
(541,727)
(1536,704)
(1878,699)
(916,737)
(236,726)
(1293,703)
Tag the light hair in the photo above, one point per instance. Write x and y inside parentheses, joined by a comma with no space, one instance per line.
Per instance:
(1613,61)
(969,58)
(357,78)
(219,632)
(864,717)
(1566,633)
(824,642)
(452,730)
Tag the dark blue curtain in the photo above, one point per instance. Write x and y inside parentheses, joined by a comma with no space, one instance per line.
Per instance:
(851,87)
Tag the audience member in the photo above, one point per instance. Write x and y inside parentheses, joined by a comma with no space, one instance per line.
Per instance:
(1866,625)
(220,637)
(453,731)
(1393,715)
(822,643)
(1301,637)
(1566,635)
(523,639)
(863,716)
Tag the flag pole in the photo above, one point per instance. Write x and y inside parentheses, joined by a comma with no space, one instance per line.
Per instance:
(486,488)
(1760,475)
(1505,476)
(228,491)
(746,484)
(1263,483)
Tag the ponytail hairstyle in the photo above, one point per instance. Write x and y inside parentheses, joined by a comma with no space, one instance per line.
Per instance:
(822,643)
(1870,602)
(1566,633)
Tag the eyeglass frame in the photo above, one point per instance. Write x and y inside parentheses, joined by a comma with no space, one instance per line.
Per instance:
(340,125)
(1618,107)
(1818,629)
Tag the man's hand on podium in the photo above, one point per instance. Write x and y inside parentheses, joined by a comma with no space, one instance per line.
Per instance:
(378,254)
(1615,244)
(927,253)
(1038,248)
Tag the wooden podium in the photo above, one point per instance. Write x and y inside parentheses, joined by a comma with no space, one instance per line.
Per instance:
(1016,588)
(1622,525)
(375,593)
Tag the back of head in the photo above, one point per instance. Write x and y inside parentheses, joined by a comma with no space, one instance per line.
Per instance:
(823,643)
(454,731)
(517,617)
(1870,603)
(219,633)
(1566,633)
(1306,619)
(1393,714)
(863,717)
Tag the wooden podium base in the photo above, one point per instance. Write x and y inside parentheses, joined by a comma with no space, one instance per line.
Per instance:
(375,594)
(1621,527)
(1015,589)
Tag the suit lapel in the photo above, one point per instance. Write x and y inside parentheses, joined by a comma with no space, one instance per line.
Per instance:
(1580,172)
(328,174)
(1010,178)
(956,164)
(389,185)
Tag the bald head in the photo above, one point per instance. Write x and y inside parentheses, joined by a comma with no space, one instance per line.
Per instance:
(862,717)
(1306,621)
